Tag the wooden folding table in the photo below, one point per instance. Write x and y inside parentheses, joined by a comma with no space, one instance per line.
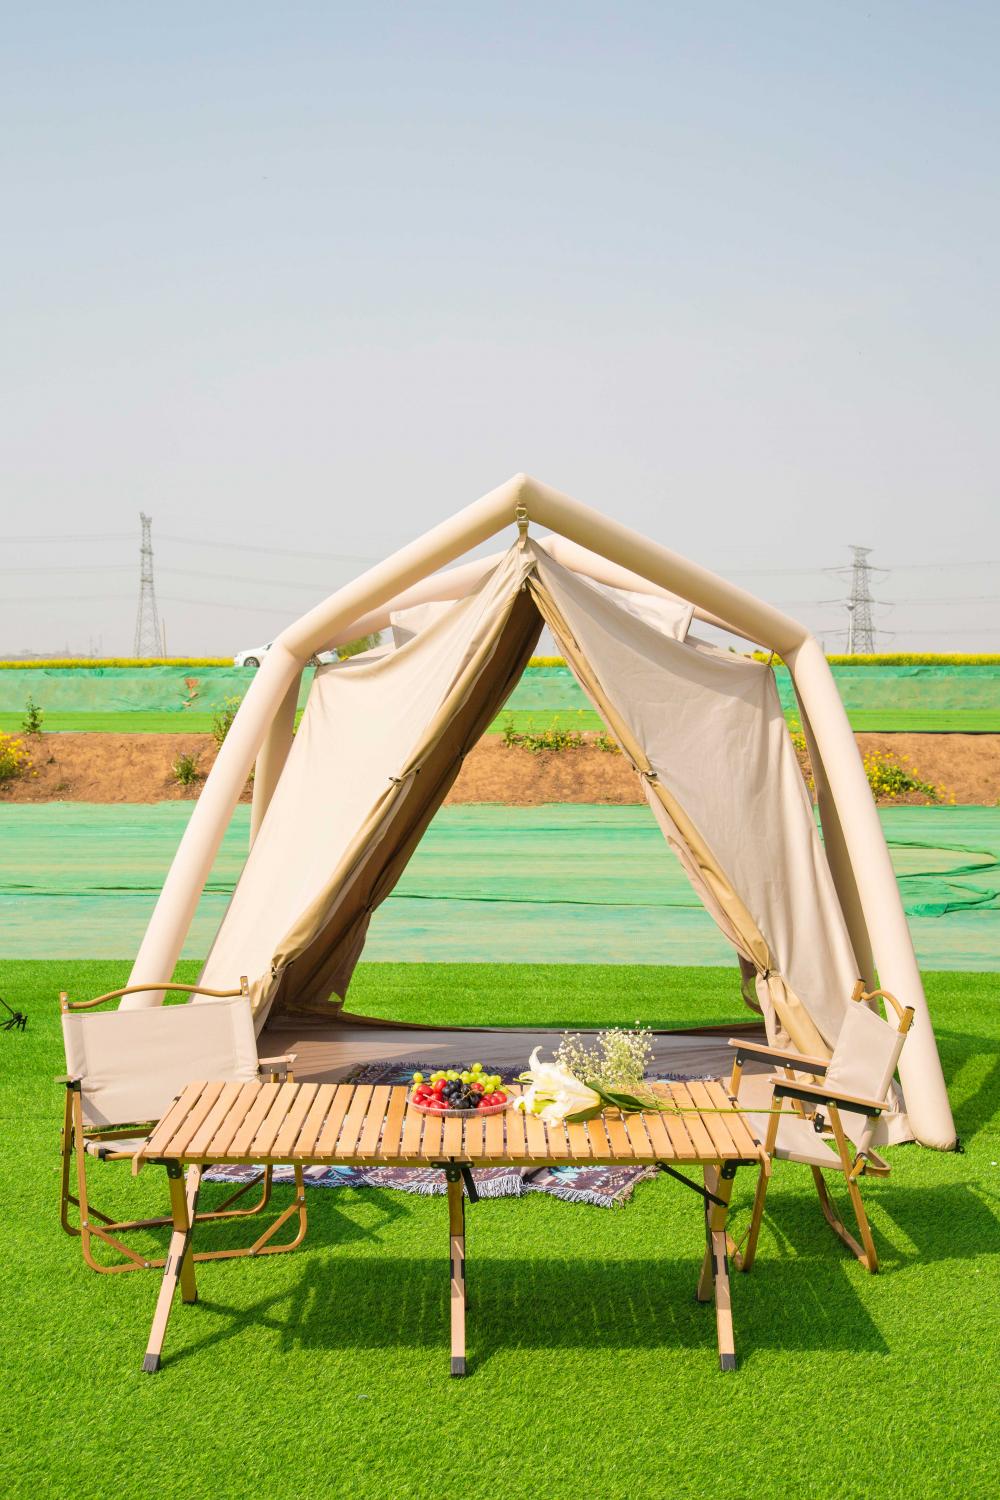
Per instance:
(307,1125)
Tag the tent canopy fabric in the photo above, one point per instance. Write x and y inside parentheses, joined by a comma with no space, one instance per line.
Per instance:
(383,737)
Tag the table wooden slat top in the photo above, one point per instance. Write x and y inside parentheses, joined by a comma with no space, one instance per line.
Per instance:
(308,1124)
(280,1123)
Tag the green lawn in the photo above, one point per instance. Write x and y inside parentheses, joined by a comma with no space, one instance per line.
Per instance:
(324,1373)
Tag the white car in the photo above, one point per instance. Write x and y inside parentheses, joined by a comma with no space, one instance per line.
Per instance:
(256,654)
(253,657)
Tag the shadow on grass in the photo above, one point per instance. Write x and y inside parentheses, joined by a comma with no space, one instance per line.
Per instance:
(911,1225)
(345,1302)
(958,1050)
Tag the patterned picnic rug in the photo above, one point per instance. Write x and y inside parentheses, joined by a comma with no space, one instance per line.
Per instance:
(604,1187)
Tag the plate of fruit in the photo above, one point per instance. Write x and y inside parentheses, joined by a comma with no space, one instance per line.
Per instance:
(459,1091)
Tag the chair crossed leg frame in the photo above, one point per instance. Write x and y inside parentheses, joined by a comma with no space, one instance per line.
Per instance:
(178,1268)
(95,1225)
(850,1167)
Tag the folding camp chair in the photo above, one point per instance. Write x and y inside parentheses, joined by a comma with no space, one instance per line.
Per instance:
(124,1069)
(851,1089)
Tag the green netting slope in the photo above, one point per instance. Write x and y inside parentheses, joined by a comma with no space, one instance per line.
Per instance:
(564,883)
(126,690)
(890,698)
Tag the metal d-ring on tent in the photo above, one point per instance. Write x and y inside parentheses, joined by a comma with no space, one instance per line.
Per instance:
(338,812)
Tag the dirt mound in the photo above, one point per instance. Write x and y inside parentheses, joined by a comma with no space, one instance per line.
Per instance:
(110,768)
(139,768)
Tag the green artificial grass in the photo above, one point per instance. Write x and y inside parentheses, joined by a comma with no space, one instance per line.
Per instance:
(593,1370)
(140,722)
(924,720)
(863,720)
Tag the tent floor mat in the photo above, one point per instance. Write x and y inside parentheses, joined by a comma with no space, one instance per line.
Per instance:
(326,1051)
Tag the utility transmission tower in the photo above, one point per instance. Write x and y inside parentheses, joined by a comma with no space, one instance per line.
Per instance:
(148,636)
(860,627)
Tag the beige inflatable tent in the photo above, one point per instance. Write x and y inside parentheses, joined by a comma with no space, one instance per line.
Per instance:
(339,809)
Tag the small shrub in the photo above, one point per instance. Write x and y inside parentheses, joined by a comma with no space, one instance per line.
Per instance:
(891,775)
(554,738)
(798,737)
(222,719)
(509,735)
(186,770)
(603,741)
(14,758)
(33,716)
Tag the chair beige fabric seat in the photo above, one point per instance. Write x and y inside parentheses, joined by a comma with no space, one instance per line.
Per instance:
(797,1141)
(124,1069)
(119,1146)
(846,1097)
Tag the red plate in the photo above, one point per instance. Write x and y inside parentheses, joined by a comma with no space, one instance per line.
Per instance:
(468,1114)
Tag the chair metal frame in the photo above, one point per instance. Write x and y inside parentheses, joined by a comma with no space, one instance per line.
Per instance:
(821,1104)
(93,1224)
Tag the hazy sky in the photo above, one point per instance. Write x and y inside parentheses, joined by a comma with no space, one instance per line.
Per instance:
(310,277)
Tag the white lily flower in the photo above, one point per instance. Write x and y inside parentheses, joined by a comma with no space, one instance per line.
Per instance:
(553,1093)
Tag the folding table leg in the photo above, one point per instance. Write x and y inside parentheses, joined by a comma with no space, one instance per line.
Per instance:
(179,1266)
(706,1278)
(716,1216)
(456,1229)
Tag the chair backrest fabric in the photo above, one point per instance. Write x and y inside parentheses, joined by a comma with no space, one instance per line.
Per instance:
(133,1063)
(863,1062)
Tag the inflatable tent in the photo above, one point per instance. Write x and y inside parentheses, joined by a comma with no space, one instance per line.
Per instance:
(340,807)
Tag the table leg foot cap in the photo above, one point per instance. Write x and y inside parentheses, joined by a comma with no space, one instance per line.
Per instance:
(151,1364)
(458,1364)
(727,1361)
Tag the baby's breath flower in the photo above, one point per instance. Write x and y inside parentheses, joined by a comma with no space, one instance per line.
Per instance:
(615,1059)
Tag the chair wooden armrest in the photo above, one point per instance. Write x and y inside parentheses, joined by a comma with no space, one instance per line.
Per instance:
(142,989)
(817,1093)
(69,1079)
(803,1064)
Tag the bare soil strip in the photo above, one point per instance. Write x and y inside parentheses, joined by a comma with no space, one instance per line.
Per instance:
(139,768)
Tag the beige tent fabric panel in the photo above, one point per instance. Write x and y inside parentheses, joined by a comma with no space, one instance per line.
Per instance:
(364,720)
(700,865)
(665,613)
(717,741)
(384,844)
(787,1020)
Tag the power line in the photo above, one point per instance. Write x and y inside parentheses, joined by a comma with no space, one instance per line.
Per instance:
(192,541)
(288,611)
(85,536)
(892,603)
(76,568)
(58,598)
(258,609)
(287,583)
